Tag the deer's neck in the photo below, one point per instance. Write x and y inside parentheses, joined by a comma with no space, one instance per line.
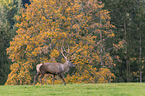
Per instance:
(66,66)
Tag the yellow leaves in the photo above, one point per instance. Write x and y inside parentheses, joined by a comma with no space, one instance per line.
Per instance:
(104,14)
(96,57)
(85,52)
(20,74)
(63,17)
(69,18)
(104,75)
(17,25)
(79,16)
(96,25)
(80,49)
(119,45)
(62,35)
(43,18)
(15,66)
(68,9)
(111,35)
(54,53)
(76,26)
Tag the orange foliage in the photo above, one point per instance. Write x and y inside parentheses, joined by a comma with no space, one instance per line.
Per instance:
(45,24)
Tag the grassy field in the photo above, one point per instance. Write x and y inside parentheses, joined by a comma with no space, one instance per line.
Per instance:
(113,89)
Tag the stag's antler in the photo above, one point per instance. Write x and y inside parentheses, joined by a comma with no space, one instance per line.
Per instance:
(63,49)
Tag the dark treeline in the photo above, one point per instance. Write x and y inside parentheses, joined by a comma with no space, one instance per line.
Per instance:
(128,17)
(7,32)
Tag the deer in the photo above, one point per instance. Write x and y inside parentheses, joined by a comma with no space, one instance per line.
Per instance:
(54,68)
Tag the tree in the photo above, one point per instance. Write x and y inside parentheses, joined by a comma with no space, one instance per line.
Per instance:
(127,16)
(7,10)
(46,24)
(4,39)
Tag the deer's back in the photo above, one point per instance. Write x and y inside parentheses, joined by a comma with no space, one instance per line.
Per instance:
(52,67)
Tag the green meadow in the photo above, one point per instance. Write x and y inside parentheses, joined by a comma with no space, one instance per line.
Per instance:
(109,89)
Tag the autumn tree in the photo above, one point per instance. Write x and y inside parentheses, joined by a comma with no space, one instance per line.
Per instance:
(46,24)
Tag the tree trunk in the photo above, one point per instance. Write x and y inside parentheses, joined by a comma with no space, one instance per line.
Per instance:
(101,50)
(126,57)
(140,61)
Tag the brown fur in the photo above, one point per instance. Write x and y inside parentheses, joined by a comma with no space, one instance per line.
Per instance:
(54,69)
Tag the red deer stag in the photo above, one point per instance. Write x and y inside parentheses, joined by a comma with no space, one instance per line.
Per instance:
(54,68)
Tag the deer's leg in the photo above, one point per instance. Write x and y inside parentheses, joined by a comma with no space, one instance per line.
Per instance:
(46,77)
(36,77)
(41,78)
(53,78)
(61,76)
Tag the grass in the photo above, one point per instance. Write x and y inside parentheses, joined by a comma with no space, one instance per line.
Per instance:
(112,89)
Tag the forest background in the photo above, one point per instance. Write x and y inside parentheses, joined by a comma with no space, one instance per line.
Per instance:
(105,37)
